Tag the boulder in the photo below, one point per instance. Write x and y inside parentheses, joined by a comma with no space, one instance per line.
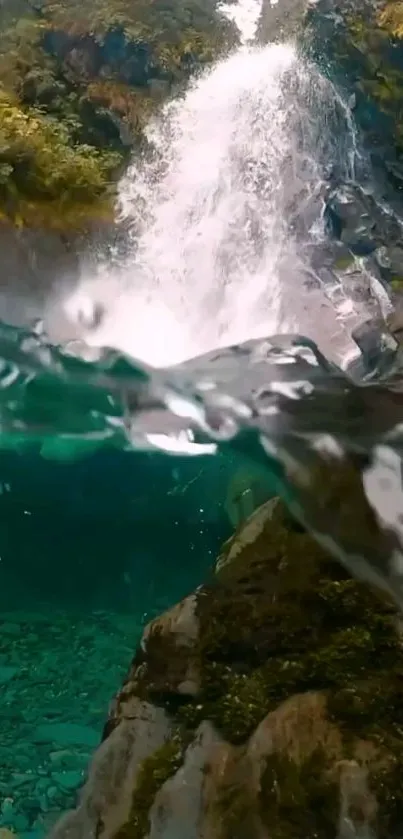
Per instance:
(290,721)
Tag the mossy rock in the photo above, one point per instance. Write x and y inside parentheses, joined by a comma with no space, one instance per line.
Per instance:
(284,617)
(153,773)
(364,54)
(281,617)
(301,675)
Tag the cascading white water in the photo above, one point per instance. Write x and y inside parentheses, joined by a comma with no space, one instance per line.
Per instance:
(225,214)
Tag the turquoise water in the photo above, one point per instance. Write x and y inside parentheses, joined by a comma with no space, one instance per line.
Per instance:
(89,552)
(101,529)
(83,567)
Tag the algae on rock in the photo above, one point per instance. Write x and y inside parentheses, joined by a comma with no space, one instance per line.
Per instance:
(364,53)
(297,679)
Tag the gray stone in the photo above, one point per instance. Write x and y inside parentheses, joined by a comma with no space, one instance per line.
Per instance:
(20,823)
(69,780)
(66,734)
(106,797)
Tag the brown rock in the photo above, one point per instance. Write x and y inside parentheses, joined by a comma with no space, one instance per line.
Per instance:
(106,798)
(167,662)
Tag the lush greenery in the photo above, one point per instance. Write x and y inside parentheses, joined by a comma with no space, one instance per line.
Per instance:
(43,177)
(364,51)
(78,80)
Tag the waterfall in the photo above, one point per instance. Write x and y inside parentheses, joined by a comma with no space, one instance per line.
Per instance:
(225,214)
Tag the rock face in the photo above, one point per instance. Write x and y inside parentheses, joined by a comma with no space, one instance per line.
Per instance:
(265,706)
(364,51)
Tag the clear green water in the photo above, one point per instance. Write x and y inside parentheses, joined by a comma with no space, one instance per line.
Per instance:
(89,552)
(101,529)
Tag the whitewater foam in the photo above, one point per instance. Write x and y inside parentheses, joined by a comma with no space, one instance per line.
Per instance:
(245,15)
(224,214)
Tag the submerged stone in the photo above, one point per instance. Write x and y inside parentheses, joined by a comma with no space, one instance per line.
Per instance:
(294,729)
(66,734)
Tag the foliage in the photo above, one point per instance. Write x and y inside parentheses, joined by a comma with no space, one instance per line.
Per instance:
(81,77)
(38,163)
(391,18)
(361,46)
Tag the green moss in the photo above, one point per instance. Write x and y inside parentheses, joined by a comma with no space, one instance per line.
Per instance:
(242,705)
(284,618)
(293,800)
(279,619)
(362,49)
(39,168)
(77,89)
(343,262)
(153,773)
(299,800)
(237,813)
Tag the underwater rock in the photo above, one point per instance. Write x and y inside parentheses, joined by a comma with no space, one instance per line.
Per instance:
(294,724)
(179,807)
(106,799)
(66,734)
(171,638)
(248,488)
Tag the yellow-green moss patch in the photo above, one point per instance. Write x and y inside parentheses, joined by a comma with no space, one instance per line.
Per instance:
(153,773)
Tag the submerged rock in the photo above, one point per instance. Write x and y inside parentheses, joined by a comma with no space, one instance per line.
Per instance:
(290,721)
(66,734)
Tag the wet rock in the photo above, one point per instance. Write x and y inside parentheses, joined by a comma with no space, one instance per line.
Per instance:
(172,637)
(34,261)
(247,535)
(6,833)
(178,809)
(281,21)
(362,46)
(390,263)
(355,218)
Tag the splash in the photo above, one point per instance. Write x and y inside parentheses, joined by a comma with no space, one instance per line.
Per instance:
(225,215)
(245,15)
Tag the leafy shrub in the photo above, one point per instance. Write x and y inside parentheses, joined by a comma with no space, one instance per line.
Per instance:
(76,89)
(39,164)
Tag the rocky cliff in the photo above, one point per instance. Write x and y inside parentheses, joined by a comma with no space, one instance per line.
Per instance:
(267,705)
